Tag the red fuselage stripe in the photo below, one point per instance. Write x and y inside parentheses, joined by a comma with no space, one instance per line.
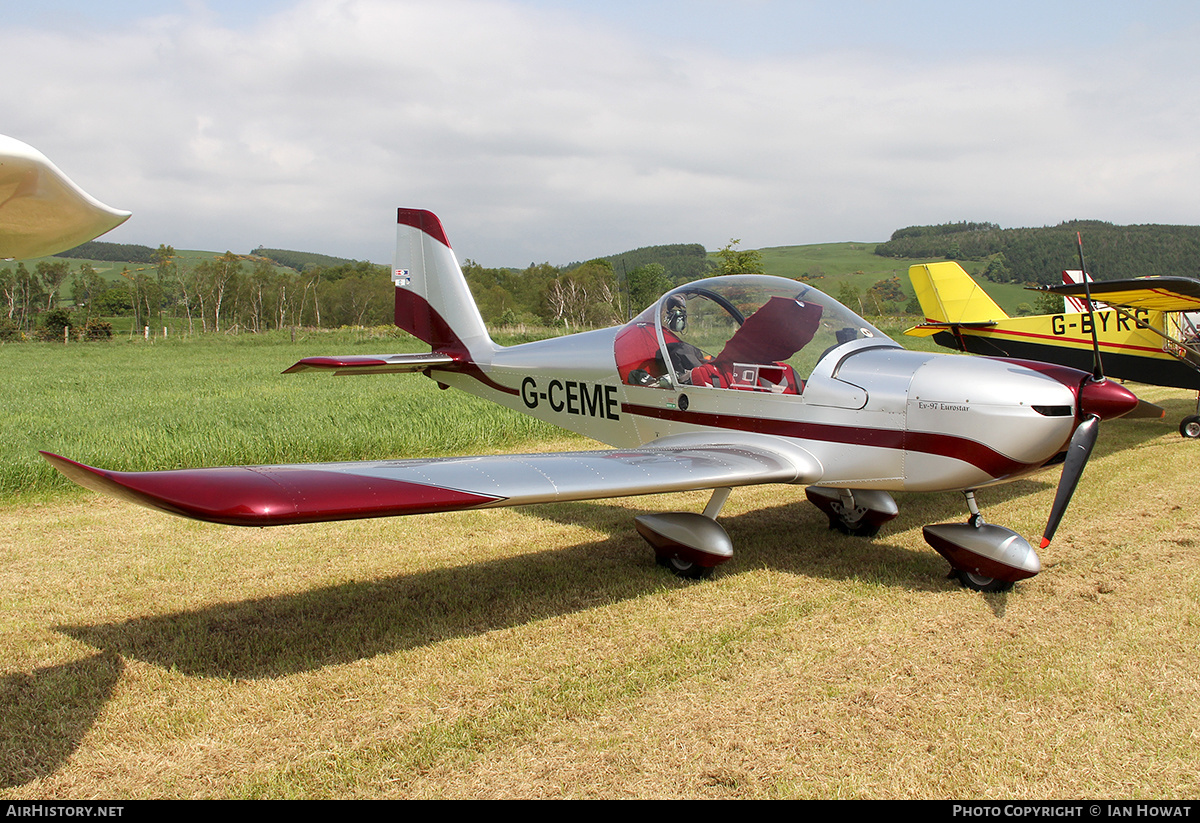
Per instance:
(944,445)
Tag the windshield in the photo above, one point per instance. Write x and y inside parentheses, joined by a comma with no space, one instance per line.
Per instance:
(749,332)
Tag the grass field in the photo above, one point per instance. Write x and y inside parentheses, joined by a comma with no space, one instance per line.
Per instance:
(539,652)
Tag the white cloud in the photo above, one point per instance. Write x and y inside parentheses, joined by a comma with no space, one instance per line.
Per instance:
(553,135)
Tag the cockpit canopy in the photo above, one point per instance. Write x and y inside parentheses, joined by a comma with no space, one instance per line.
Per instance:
(749,331)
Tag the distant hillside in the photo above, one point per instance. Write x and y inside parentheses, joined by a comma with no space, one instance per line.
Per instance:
(300,260)
(680,261)
(1040,255)
(111,252)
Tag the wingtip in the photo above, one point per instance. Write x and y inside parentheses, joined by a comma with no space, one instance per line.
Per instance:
(77,472)
(57,460)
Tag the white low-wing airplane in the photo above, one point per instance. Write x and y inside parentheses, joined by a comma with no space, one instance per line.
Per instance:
(723,382)
(42,211)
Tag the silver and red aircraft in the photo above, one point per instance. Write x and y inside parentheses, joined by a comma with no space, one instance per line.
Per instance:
(724,382)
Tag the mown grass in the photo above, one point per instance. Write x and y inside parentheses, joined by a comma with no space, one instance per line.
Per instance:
(539,652)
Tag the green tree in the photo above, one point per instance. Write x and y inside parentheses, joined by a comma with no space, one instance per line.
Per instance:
(732,261)
(117,300)
(1048,303)
(850,297)
(51,276)
(54,322)
(166,277)
(86,287)
(646,284)
(584,296)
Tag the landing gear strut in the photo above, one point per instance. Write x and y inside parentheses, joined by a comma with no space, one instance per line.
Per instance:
(858,512)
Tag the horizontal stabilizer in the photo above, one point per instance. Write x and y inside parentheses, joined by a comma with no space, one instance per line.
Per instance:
(317,492)
(930,329)
(374,363)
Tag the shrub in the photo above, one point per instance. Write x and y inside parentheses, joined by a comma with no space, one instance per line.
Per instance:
(96,329)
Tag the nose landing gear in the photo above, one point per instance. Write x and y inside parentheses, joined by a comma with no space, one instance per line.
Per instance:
(983,556)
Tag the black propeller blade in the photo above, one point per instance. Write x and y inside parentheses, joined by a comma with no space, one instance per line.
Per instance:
(1078,452)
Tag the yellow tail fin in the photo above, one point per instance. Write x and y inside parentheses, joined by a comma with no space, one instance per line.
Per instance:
(948,295)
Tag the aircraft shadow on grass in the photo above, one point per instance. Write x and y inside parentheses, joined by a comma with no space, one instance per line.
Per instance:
(44,715)
(284,635)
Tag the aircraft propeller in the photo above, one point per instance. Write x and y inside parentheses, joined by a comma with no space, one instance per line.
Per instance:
(1078,452)
(1099,399)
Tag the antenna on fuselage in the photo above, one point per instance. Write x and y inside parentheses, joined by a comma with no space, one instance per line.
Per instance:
(1097,365)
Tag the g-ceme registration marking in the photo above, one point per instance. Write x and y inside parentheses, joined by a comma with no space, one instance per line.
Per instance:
(573,397)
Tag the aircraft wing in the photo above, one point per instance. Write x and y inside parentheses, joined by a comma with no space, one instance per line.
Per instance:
(373,363)
(318,492)
(42,212)
(1154,293)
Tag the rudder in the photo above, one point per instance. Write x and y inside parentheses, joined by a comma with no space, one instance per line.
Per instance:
(949,295)
(433,301)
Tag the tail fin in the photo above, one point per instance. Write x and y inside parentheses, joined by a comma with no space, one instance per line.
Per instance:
(948,295)
(433,301)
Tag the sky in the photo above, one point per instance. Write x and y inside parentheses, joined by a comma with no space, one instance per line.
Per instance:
(544,131)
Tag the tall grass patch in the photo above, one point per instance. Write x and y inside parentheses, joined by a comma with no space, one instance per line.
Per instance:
(221,400)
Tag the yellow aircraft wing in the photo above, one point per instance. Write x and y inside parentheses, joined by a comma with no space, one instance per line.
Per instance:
(1167,294)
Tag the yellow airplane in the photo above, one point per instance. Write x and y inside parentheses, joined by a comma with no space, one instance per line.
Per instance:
(1142,329)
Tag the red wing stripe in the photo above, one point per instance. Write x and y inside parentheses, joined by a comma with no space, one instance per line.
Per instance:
(269,495)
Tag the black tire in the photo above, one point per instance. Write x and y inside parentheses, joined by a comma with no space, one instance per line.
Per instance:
(1189,427)
(982,583)
(685,568)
